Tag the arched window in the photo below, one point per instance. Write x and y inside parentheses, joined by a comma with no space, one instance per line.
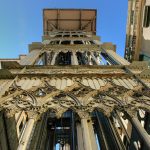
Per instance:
(66,42)
(66,35)
(63,58)
(75,35)
(91,42)
(82,35)
(54,42)
(78,42)
(58,35)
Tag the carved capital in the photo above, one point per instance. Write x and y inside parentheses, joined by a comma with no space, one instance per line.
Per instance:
(83,115)
(131,113)
(33,115)
(10,113)
(60,111)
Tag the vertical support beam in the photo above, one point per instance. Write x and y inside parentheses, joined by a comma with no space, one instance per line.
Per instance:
(86,134)
(37,136)
(73,130)
(95,59)
(134,138)
(117,116)
(108,135)
(116,135)
(147,127)
(141,131)
(92,135)
(3,136)
(74,59)
(89,60)
(89,140)
(54,58)
(101,134)
(79,137)
(27,133)
(66,146)
(147,122)
(11,130)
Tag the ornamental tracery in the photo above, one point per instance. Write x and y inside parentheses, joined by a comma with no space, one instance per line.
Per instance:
(41,94)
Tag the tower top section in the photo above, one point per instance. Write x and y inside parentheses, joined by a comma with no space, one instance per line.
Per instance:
(69,20)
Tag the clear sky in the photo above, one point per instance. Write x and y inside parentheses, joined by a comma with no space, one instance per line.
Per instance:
(21,22)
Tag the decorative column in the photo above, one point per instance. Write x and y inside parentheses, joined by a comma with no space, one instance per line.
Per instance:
(74,59)
(141,131)
(67,146)
(38,139)
(95,59)
(27,133)
(89,59)
(88,135)
(3,133)
(54,58)
(92,135)
(79,136)
(11,130)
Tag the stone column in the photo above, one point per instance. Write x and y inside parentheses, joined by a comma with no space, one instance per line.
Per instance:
(95,59)
(54,58)
(86,134)
(92,135)
(27,133)
(79,137)
(74,59)
(3,136)
(67,146)
(11,130)
(141,131)
(89,60)
(89,140)
(38,132)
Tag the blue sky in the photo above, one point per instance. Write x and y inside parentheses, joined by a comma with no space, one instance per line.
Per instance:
(21,22)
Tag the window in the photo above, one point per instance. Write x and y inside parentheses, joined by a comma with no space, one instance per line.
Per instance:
(54,42)
(78,42)
(59,35)
(132,17)
(75,35)
(66,35)
(66,42)
(82,35)
(146,17)
(92,43)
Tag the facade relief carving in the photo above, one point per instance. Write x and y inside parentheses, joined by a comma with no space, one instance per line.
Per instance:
(106,94)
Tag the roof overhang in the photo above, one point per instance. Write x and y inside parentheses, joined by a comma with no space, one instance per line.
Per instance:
(69,20)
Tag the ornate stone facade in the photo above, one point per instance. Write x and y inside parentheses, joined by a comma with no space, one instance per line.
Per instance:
(64,95)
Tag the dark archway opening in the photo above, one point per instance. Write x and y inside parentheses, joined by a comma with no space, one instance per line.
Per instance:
(63,58)
(62,132)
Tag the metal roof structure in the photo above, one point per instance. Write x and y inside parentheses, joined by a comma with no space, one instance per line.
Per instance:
(69,19)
